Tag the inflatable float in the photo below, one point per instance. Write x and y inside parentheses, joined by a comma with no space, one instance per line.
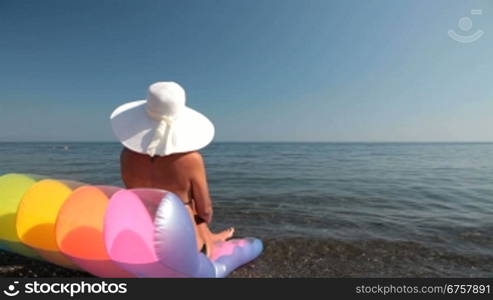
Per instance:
(109,231)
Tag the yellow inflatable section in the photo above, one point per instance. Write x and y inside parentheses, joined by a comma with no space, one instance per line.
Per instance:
(12,188)
(37,215)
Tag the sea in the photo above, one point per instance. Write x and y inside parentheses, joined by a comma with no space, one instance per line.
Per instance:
(385,209)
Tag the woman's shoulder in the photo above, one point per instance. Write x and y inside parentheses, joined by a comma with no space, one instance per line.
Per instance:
(189,163)
(193,157)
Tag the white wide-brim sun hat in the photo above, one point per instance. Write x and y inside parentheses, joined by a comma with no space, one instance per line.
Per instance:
(162,124)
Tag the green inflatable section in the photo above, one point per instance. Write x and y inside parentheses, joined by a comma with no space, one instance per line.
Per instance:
(12,189)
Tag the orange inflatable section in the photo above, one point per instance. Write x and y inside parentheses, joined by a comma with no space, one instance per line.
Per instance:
(79,230)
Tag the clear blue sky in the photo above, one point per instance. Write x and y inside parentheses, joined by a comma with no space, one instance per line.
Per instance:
(270,70)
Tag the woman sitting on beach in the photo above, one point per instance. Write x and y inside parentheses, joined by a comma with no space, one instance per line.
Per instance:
(161,137)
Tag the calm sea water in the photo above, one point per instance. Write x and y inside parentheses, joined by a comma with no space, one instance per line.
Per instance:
(439,195)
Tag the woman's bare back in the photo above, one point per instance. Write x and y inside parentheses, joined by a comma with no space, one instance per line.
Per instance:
(172,172)
(183,174)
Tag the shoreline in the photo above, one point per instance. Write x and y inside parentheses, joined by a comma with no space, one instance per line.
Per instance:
(307,258)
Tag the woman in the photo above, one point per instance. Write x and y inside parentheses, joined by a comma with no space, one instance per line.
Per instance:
(161,138)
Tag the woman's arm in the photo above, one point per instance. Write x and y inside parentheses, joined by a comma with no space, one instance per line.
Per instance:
(200,189)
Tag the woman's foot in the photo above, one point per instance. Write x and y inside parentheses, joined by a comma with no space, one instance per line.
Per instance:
(211,239)
(223,235)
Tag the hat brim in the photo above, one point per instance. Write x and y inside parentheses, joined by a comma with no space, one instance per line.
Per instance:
(135,129)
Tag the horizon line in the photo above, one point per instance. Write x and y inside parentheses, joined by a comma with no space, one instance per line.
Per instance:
(281,141)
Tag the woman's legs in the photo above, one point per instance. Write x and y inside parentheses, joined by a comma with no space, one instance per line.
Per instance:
(210,238)
(204,236)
